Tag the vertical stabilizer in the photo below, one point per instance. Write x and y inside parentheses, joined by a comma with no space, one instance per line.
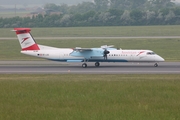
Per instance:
(25,39)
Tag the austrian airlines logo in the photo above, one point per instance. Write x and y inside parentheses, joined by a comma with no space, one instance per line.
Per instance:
(140,53)
(24,39)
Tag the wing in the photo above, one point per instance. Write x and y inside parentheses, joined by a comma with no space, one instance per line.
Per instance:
(82,49)
(87,53)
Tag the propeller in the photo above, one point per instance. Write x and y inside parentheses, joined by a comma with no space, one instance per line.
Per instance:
(105,54)
(106,51)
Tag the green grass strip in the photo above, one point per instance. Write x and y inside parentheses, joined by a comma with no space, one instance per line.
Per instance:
(90,97)
(108,31)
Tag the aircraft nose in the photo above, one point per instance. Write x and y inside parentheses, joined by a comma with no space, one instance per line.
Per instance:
(160,59)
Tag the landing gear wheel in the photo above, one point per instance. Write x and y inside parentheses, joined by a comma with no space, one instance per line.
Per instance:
(97,64)
(155,65)
(84,65)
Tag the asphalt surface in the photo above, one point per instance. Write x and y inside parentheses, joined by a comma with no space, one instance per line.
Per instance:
(92,38)
(51,67)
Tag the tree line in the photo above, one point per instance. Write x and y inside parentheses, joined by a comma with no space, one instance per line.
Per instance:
(102,13)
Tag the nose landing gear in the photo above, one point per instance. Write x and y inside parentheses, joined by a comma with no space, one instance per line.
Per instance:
(155,65)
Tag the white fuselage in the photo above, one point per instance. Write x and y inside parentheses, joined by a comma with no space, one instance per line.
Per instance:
(64,55)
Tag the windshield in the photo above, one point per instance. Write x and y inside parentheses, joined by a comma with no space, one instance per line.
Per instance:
(151,53)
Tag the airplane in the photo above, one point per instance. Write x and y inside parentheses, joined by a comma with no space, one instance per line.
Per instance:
(104,53)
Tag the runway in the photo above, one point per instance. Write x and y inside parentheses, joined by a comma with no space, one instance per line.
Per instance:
(92,38)
(51,67)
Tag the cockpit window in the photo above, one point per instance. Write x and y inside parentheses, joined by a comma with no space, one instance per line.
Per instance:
(151,53)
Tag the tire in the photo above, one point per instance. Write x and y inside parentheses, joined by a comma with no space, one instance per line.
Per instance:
(84,65)
(97,64)
(155,65)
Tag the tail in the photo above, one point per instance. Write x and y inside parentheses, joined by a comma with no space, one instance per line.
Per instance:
(26,40)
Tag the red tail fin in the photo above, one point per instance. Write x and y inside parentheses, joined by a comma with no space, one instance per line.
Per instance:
(25,39)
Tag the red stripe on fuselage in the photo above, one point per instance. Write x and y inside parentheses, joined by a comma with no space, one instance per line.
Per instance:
(33,47)
(140,53)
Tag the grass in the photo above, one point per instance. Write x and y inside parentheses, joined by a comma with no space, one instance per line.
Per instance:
(115,31)
(167,48)
(79,97)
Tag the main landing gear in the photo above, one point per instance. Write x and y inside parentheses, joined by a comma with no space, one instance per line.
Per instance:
(97,64)
(155,65)
(84,65)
